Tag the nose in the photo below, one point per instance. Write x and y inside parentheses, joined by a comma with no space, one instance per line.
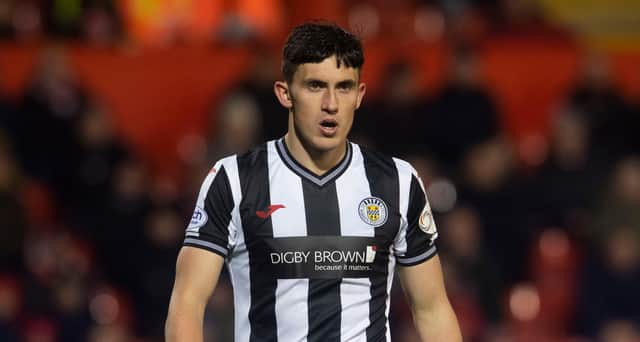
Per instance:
(330,102)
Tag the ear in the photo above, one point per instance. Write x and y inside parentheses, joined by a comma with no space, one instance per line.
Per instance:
(362,89)
(283,94)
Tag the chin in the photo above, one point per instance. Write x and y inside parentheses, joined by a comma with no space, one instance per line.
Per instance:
(326,144)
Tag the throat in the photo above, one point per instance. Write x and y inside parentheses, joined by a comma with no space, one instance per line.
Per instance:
(317,161)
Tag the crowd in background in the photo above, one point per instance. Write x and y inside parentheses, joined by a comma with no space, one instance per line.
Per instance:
(108,22)
(544,252)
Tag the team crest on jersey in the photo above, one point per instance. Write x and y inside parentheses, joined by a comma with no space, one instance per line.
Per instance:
(425,221)
(198,219)
(373,211)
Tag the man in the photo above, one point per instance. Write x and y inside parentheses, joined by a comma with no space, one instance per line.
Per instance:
(311,225)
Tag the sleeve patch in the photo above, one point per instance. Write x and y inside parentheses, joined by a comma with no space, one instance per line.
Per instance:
(198,219)
(426,223)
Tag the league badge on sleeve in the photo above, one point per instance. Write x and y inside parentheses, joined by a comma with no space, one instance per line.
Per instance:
(426,223)
(198,219)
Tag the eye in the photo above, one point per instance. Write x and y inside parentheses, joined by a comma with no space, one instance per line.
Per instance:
(314,85)
(346,87)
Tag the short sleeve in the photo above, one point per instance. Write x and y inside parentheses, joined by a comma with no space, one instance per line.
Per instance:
(415,242)
(211,227)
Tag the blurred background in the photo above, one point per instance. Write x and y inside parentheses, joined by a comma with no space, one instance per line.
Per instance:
(522,117)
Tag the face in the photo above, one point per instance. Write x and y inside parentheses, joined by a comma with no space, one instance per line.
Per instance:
(322,100)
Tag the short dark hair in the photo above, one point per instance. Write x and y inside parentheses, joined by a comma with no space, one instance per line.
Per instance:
(313,42)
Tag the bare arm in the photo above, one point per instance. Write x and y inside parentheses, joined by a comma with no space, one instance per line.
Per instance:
(432,312)
(197,273)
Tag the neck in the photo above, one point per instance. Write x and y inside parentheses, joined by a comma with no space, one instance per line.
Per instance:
(316,161)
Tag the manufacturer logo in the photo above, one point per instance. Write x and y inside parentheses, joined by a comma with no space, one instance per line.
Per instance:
(198,219)
(373,211)
(270,210)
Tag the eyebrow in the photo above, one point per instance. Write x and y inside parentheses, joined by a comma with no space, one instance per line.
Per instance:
(341,84)
(346,84)
(314,80)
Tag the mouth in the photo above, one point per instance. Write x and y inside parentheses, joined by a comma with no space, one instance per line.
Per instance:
(329,127)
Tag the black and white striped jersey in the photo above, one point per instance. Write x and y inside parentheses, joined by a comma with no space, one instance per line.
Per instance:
(311,258)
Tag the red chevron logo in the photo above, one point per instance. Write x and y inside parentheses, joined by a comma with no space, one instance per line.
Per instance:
(270,210)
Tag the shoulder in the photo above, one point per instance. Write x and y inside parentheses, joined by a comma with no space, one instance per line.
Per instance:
(388,164)
(253,156)
(404,167)
(225,162)
(230,166)
(376,159)
(248,158)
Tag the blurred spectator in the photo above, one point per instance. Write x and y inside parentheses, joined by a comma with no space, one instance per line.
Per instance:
(620,206)
(153,262)
(488,166)
(478,276)
(27,22)
(565,183)
(609,287)
(237,126)
(461,115)
(234,127)
(389,122)
(258,85)
(54,258)
(12,214)
(94,166)
(490,186)
(609,118)
(122,220)
(48,112)
(101,25)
